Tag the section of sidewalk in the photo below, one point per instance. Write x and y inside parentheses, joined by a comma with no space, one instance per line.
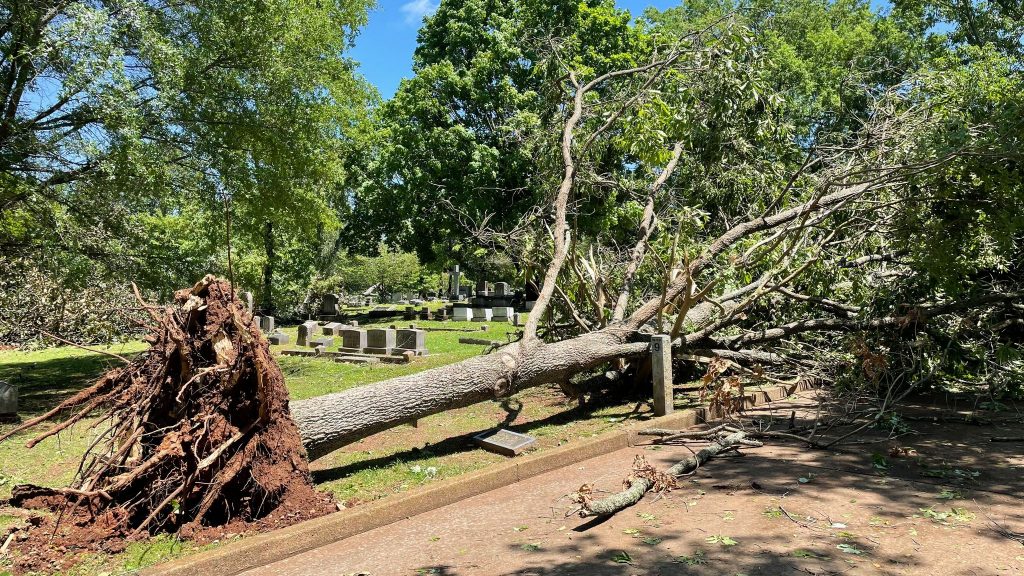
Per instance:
(780,509)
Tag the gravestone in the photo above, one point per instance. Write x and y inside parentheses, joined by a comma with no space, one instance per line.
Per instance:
(267,324)
(410,313)
(278,338)
(462,314)
(501,289)
(481,288)
(505,442)
(456,282)
(503,314)
(353,323)
(517,319)
(482,314)
(329,306)
(307,331)
(334,328)
(247,298)
(425,314)
(353,340)
(319,349)
(325,341)
(411,340)
(8,401)
(442,314)
(530,304)
(257,322)
(661,374)
(380,341)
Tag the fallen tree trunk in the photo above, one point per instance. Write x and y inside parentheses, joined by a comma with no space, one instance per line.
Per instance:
(329,422)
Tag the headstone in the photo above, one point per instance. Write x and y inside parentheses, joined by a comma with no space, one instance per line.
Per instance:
(258,322)
(482,314)
(661,374)
(530,304)
(411,340)
(8,401)
(267,324)
(410,313)
(307,331)
(333,328)
(456,282)
(504,441)
(247,297)
(353,322)
(380,341)
(462,314)
(517,319)
(481,288)
(278,338)
(503,314)
(319,350)
(442,314)
(501,289)
(425,314)
(325,341)
(353,340)
(329,306)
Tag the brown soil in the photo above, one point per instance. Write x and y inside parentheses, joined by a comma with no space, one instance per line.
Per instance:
(198,442)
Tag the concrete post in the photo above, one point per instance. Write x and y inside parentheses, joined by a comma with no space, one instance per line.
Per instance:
(661,374)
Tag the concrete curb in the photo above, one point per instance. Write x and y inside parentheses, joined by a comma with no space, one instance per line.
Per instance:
(247,553)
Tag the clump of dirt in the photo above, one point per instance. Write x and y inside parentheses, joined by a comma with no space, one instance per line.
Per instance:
(198,441)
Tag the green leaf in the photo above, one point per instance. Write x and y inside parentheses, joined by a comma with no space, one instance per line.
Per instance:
(622,557)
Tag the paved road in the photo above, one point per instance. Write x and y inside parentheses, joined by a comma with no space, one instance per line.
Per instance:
(749,514)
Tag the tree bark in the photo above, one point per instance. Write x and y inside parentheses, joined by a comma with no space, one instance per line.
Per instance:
(329,422)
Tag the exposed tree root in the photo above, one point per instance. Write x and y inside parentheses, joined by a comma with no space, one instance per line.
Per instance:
(197,435)
(645,478)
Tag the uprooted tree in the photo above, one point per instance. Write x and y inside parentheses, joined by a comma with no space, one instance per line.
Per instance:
(830,244)
(195,433)
(839,238)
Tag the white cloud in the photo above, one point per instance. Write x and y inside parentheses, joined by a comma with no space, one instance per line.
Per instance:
(415,10)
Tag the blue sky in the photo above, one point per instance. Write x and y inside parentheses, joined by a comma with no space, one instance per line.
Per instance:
(384,47)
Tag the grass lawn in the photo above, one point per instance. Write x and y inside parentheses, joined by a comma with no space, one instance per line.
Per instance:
(439,446)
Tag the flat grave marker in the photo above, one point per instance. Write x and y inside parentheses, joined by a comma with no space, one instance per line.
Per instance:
(504,441)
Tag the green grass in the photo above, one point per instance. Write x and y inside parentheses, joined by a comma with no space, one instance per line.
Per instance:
(393,461)
(308,377)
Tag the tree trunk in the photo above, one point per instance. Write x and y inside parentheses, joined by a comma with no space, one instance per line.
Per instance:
(329,422)
(268,268)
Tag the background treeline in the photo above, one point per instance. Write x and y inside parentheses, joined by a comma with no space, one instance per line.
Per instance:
(132,132)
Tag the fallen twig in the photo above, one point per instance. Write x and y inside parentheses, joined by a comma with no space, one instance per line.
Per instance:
(639,484)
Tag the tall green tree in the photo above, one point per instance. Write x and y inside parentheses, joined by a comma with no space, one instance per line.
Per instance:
(119,115)
(464,141)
